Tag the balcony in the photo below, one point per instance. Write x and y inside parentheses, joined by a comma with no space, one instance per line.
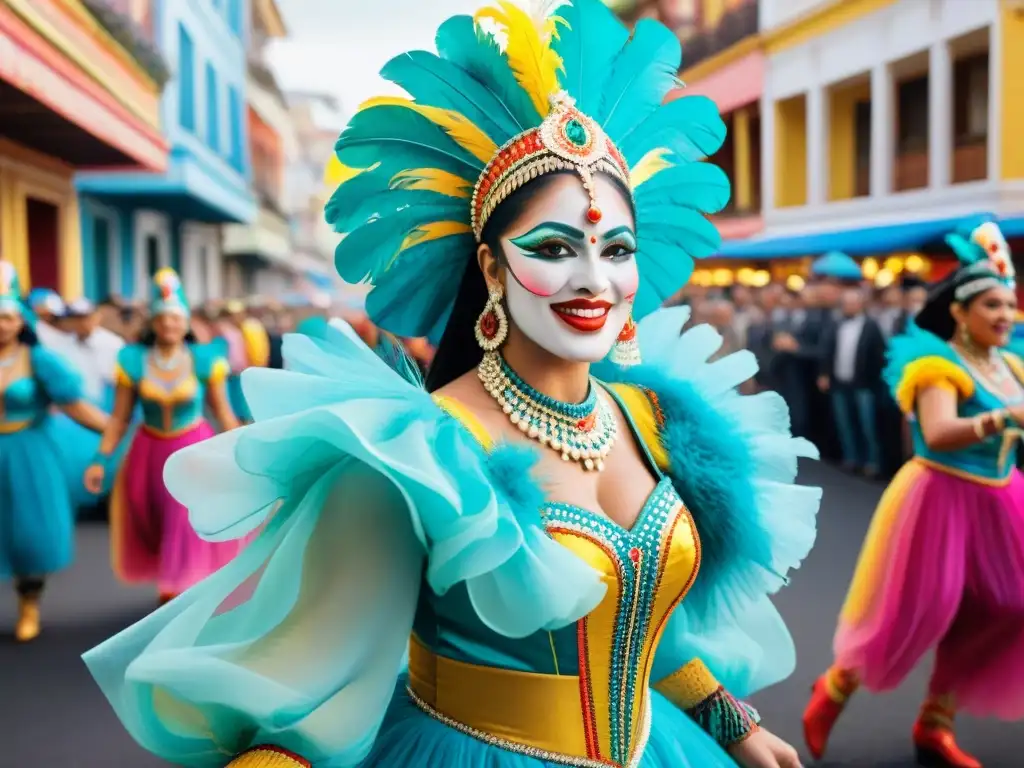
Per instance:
(132,36)
(735,25)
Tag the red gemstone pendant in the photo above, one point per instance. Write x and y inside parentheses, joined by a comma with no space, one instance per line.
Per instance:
(489,325)
(594,214)
(634,555)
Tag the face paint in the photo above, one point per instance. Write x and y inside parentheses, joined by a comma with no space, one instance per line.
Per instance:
(572,281)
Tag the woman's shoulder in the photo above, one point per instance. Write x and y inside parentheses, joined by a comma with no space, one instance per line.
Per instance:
(130,364)
(919,360)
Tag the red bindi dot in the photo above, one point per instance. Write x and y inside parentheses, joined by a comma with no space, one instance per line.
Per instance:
(593,240)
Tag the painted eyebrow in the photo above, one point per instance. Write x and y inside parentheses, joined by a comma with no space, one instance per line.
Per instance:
(558,226)
(625,229)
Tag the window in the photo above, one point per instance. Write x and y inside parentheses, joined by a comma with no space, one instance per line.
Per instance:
(103,255)
(236,156)
(186,81)
(913,115)
(235,18)
(971,99)
(212,109)
(152,254)
(862,148)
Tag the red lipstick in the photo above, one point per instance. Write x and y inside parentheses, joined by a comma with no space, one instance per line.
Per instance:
(583,315)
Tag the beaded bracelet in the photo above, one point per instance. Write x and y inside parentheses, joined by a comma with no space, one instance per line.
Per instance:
(727,720)
(100,460)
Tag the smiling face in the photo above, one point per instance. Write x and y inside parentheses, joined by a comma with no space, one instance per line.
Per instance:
(988,317)
(11,323)
(170,327)
(570,282)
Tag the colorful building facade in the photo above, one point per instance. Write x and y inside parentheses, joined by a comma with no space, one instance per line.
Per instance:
(258,255)
(134,223)
(77,91)
(886,124)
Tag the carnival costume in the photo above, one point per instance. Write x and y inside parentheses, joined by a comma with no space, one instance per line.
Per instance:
(36,519)
(150,533)
(537,628)
(942,567)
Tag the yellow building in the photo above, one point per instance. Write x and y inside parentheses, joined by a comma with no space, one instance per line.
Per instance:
(74,93)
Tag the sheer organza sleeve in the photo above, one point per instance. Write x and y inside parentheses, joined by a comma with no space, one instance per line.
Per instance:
(296,644)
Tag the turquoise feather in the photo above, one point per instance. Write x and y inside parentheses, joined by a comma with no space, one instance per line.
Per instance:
(346,197)
(684,228)
(410,303)
(701,186)
(967,251)
(642,75)
(460,42)
(367,251)
(436,82)
(690,127)
(384,204)
(588,47)
(910,346)
(398,138)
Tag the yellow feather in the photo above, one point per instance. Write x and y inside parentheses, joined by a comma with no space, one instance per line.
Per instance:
(462,131)
(336,174)
(528,50)
(433,180)
(434,230)
(649,166)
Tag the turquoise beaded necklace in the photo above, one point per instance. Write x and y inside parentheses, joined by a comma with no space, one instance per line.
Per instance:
(581,432)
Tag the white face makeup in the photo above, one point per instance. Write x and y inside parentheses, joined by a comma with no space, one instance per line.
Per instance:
(572,281)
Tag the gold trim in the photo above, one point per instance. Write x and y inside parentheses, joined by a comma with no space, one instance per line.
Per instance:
(10,427)
(963,474)
(264,757)
(689,685)
(534,752)
(819,21)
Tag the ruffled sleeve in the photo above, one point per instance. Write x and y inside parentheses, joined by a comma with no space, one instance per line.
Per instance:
(361,487)
(128,371)
(919,360)
(733,462)
(60,380)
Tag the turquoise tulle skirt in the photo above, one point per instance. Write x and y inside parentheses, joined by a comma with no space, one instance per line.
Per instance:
(410,738)
(36,521)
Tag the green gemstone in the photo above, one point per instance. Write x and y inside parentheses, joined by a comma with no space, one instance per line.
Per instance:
(576,133)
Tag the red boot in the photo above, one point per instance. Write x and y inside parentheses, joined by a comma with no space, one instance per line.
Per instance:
(934,740)
(829,695)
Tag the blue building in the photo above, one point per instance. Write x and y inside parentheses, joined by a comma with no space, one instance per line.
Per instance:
(133,223)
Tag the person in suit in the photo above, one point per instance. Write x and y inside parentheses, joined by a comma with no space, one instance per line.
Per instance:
(761,333)
(853,356)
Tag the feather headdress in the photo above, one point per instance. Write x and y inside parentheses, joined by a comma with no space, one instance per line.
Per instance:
(985,260)
(511,95)
(10,290)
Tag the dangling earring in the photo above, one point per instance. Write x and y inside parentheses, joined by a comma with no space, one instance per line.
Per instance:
(626,352)
(965,337)
(492,325)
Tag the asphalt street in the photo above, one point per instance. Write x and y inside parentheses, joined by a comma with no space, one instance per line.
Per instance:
(52,715)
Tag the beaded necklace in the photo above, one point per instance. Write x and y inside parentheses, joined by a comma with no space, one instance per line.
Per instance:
(581,432)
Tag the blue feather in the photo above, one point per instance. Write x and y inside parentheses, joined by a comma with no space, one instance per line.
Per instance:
(398,138)
(345,213)
(681,227)
(689,126)
(664,269)
(368,250)
(911,345)
(643,74)
(588,47)
(393,352)
(408,301)
(460,42)
(967,251)
(439,83)
(701,186)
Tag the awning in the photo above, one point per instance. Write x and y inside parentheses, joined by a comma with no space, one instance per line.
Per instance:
(320,279)
(863,241)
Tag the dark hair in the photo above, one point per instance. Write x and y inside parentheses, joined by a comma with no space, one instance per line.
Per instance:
(147,337)
(27,336)
(458,352)
(935,315)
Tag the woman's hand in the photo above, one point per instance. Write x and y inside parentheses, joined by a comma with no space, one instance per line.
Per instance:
(1016,413)
(762,749)
(94,477)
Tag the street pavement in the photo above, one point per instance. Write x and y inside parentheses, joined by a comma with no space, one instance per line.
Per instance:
(51,714)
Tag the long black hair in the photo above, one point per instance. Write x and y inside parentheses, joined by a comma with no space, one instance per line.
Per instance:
(458,351)
(27,336)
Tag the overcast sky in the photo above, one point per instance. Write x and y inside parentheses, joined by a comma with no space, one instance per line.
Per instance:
(339,46)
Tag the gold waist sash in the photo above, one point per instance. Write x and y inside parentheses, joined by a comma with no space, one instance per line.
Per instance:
(10,427)
(532,714)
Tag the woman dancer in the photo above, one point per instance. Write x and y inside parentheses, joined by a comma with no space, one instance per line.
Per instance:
(941,566)
(530,535)
(173,379)
(36,519)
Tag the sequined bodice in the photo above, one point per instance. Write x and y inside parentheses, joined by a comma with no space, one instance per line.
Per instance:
(992,459)
(648,570)
(170,402)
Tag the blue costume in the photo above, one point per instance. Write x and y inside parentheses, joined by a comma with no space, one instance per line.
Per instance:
(36,519)
(415,596)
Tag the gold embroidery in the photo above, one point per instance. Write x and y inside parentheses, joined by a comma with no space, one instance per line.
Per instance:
(267,757)
(688,686)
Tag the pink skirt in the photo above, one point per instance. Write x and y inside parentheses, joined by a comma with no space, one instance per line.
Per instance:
(151,537)
(942,568)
